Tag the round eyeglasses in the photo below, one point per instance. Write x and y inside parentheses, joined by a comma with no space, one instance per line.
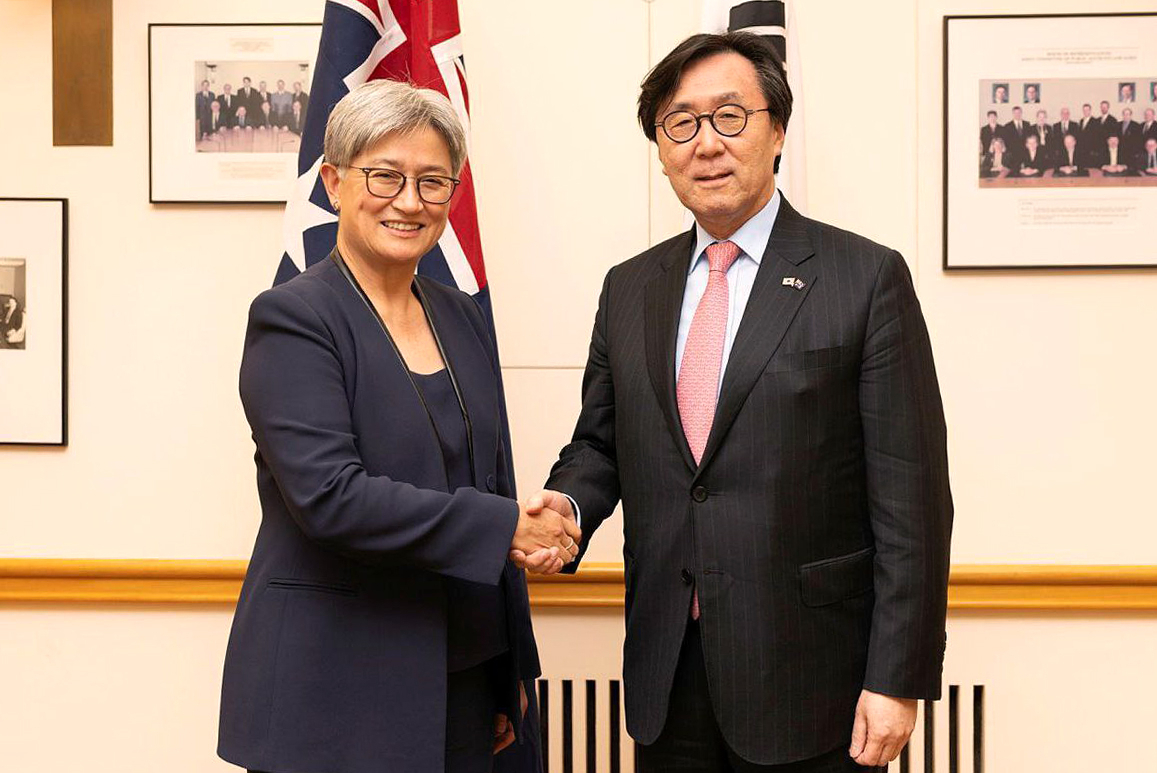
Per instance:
(727,120)
(388,183)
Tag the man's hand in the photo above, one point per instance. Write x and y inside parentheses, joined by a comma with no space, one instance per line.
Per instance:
(545,561)
(546,539)
(882,727)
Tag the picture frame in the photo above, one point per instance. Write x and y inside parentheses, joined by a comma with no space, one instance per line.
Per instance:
(1058,175)
(34,321)
(215,136)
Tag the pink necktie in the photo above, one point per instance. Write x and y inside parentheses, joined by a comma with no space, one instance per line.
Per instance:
(698,386)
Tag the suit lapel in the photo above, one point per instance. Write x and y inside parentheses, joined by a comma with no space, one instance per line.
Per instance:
(770,310)
(662,304)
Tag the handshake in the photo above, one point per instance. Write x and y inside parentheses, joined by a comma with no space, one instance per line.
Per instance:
(547,537)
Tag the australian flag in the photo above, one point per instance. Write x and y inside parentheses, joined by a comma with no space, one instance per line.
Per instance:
(409,40)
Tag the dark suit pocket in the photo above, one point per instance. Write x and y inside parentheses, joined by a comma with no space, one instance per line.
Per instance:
(311,585)
(813,359)
(834,579)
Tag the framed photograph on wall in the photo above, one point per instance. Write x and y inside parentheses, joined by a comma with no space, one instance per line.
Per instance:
(1050,141)
(227,106)
(34,322)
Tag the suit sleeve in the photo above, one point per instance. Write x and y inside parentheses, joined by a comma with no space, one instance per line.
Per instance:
(908,492)
(293,392)
(587,468)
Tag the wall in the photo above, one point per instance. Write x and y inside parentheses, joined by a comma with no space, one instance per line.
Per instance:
(1045,376)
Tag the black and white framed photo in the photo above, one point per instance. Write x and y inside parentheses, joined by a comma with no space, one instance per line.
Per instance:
(227,105)
(34,322)
(1050,145)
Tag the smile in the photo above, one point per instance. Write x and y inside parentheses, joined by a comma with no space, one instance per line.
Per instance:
(714,178)
(394,225)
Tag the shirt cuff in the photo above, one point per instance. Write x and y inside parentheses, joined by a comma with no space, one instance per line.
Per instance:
(578,518)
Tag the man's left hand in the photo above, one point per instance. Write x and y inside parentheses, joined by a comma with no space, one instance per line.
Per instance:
(882,727)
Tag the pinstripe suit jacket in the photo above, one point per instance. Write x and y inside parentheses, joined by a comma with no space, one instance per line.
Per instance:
(817,524)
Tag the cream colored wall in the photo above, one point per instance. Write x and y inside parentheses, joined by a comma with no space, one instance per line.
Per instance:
(1045,376)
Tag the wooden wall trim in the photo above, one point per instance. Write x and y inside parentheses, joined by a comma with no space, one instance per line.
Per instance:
(971,587)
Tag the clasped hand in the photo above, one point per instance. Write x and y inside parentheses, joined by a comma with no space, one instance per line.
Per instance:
(547,537)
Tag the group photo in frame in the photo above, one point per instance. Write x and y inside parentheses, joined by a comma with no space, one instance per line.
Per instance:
(34,321)
(1050,141)
(227,106)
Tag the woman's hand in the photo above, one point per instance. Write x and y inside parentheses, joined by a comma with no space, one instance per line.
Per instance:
(503,732)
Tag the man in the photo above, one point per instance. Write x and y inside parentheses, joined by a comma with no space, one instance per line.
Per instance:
(215,122)
(1070,163)
(786,532)
(1088,136)
(989,132)
(228,101)
(1031,94)
(205,98)
(1065,125)
(263,119)
(1131,133)
(1014,133)
(1148,160)
(1114,165)
(1000,93)
(280,101)
(241,118)
(1106,123)
(1043,133)
(247,97)
(300,97)
(1126,92)
(1149,127)
(262,93)
(1032,162)
(296,121)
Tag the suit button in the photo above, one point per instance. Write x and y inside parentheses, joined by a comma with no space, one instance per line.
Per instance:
(491,483)
(699,494)
(686,575)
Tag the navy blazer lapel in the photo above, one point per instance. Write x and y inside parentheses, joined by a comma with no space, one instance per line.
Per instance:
(471,367)
(770,310)
(662,304)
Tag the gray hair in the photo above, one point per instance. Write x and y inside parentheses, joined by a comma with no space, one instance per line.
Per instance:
(381,107)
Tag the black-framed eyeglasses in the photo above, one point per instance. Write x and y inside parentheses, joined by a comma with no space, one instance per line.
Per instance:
(728,120)
(388,183)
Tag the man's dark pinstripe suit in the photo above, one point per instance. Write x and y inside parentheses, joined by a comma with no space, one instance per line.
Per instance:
(816,527)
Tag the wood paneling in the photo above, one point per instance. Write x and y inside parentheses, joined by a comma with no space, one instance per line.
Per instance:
(975,586)
(82,72)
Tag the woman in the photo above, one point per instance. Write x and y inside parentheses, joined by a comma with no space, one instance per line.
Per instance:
(381,626)
(994,163)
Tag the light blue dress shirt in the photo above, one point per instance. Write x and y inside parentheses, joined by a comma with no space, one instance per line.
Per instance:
(751,238)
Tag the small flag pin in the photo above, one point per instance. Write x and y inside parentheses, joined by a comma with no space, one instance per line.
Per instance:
(791,281)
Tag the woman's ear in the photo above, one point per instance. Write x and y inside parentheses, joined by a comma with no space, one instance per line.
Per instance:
(331,177)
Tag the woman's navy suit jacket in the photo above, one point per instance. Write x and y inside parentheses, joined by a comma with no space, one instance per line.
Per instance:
(337,658)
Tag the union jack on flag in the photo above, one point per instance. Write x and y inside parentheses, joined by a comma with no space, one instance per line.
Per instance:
(409,40)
